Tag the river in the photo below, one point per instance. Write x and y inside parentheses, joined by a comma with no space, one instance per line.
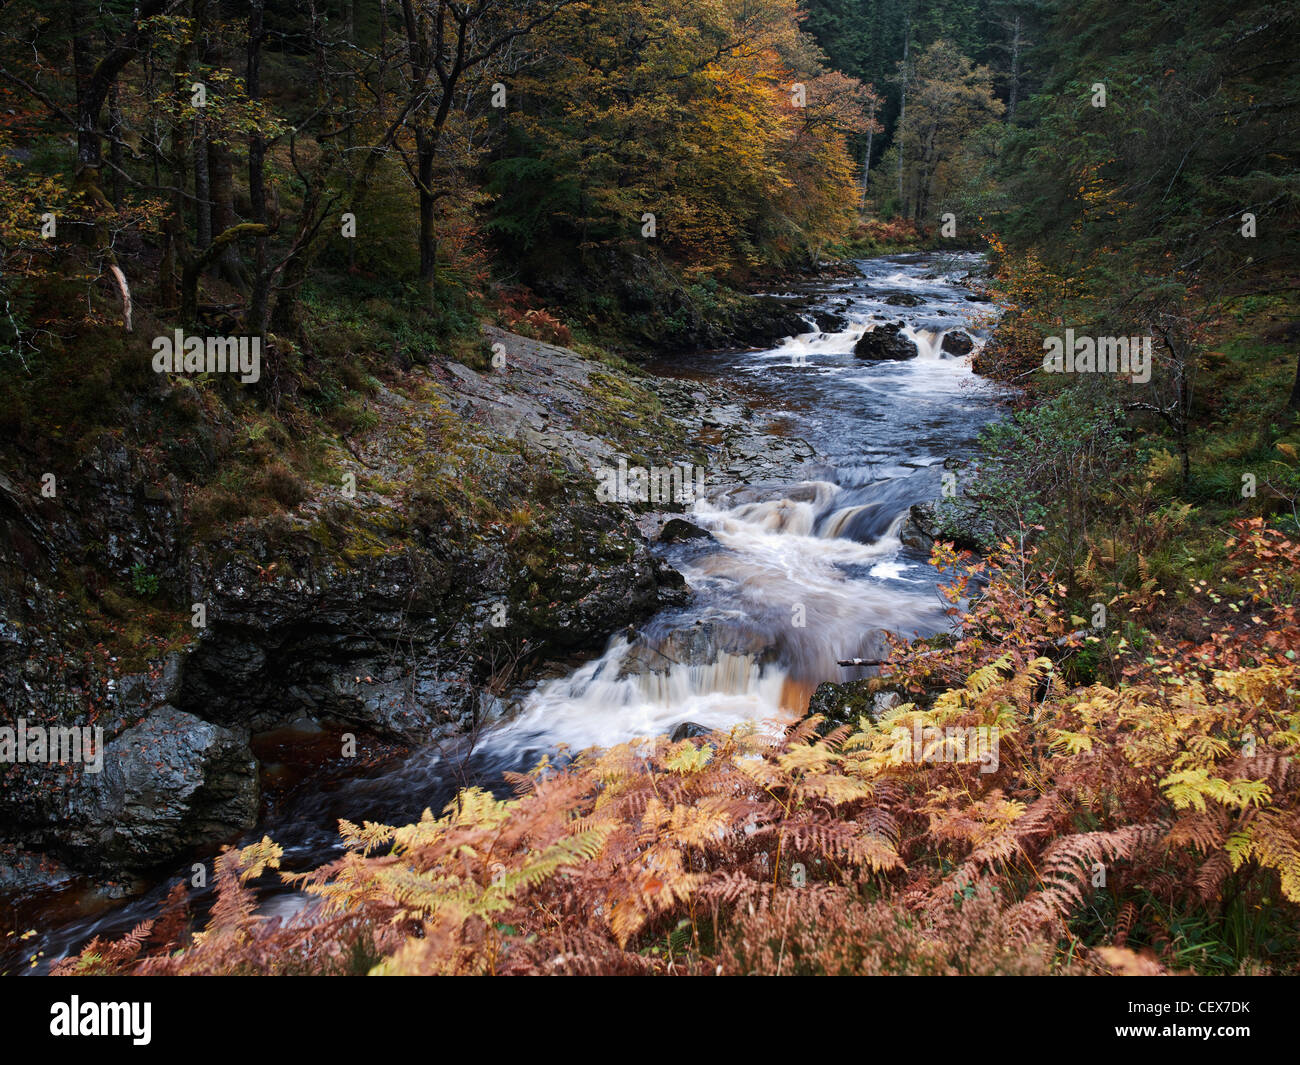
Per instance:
(800,571)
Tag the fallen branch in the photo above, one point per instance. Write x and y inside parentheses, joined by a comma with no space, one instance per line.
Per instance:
(126,295)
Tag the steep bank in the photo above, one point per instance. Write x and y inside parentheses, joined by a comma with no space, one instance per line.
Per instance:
(453,543)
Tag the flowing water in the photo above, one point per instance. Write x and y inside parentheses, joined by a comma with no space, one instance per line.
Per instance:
(800,572)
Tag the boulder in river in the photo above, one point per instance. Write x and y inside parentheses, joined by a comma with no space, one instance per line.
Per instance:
(689,730)
(713,643)
(885,342)
(849,702)
(957,342)
(829,321)
(903,299)
(168,783)
(677,530)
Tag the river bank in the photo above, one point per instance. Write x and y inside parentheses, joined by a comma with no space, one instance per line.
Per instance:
(357,615)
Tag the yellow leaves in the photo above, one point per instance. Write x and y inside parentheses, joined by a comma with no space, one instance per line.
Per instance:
(369,836)
(954,816)
(1270,839)
(696,825)
(874,852)
(807,758)
(687,758)
(1189,789)
(832,788)
(1064,741)
(1208,748)
(986,676)
(1260,686)
(257,857)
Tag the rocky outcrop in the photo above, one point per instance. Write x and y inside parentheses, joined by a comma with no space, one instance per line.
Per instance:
(767,321)
(167,782)
(885,342)
(689,730)
(656,312)
(740,450)
(471,542)
(702,644)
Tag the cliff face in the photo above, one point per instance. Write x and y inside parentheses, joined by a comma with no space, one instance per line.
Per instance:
(453,543)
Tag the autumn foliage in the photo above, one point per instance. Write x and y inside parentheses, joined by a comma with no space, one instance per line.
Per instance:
(1116,825)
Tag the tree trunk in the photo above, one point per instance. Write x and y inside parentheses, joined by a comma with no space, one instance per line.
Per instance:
(259,297)
(902,104)
(350,104)
(196,266)
(1294,402)
(94,80)
(115,143)
(1013,90)
(222,166)
(202,191)
(866,161)
(202,173)
(221,183)
(174,234)
(428,241)
(88,145)
(925,176)
(286,318)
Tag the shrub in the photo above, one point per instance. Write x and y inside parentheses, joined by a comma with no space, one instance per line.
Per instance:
(1112,820)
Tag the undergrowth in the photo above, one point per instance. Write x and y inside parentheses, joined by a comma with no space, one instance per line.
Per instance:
(1148,826)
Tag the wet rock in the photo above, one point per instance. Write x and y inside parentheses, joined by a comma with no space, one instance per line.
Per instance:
(885,342)
(883,702)
(910,534)
(848,703)
(702,644)
(903,299)
(676,530)
(376,612)
(768,320)
(689,730)
(830,321)
(673,589)
(956,342)
(958,520)
(840,704)
(22,870)
(169,783)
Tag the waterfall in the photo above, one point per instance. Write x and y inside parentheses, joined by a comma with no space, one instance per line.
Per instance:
(929,342)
